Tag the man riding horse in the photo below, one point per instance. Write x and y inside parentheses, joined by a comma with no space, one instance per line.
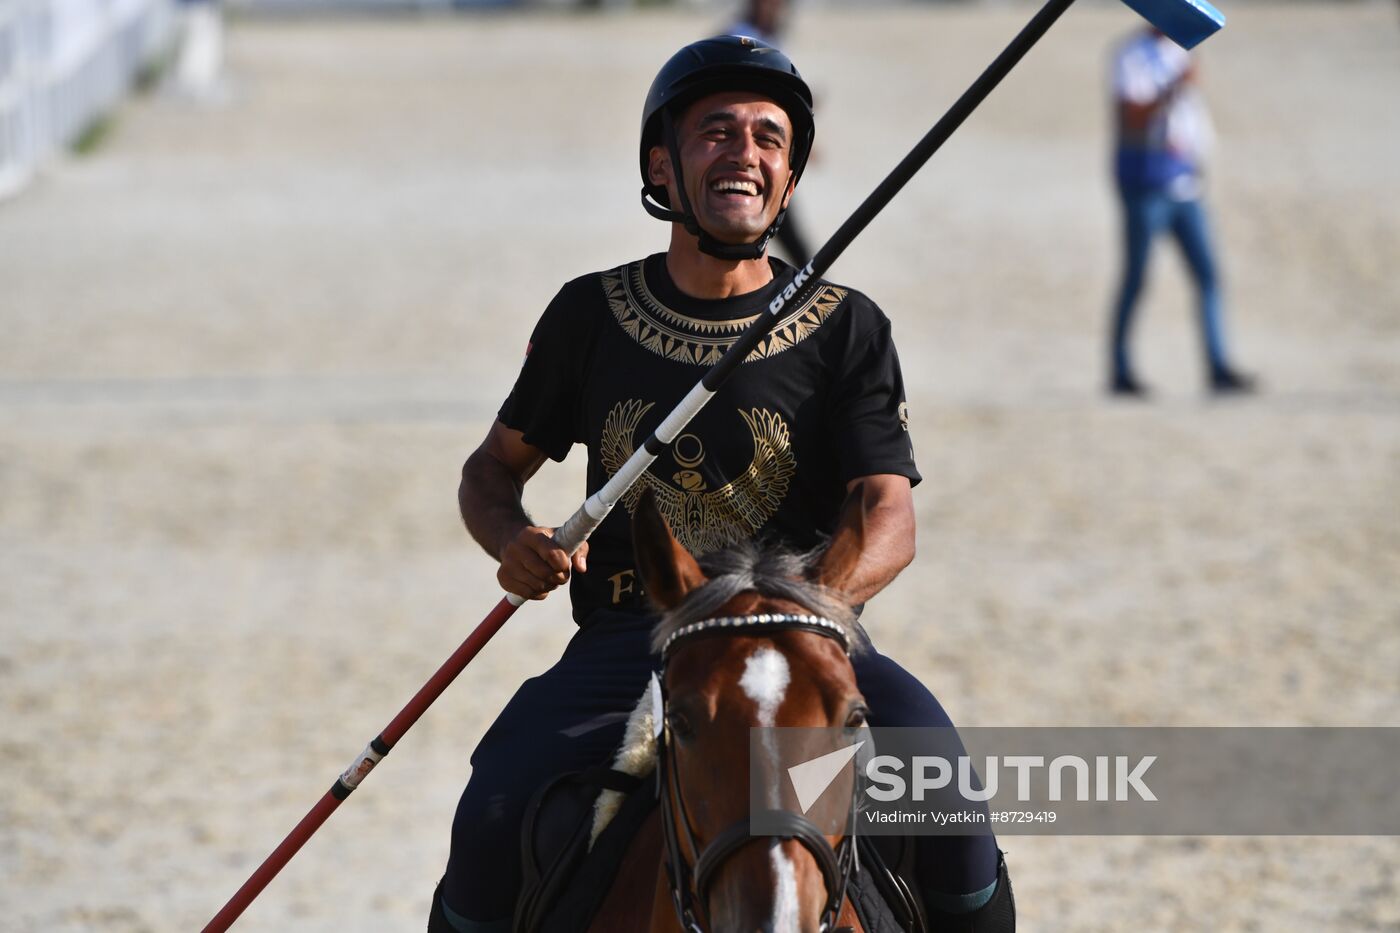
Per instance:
(815,411)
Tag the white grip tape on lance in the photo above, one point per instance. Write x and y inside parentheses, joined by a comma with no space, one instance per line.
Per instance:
(360,767)
(680,416)
(571,535)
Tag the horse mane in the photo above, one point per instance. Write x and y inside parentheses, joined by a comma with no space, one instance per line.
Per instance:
(777,573)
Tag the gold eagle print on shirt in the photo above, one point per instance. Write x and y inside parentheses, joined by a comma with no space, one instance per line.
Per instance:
(701,518)
(685,339)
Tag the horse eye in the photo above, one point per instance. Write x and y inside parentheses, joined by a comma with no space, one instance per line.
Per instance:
(679,725)
(857,717)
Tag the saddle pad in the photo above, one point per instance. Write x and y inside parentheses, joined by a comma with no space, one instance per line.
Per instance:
(566,879)
(880,896)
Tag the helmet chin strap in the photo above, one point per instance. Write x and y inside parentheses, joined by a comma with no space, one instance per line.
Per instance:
(686,217)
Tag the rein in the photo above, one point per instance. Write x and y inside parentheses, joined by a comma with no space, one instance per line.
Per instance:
(690,884)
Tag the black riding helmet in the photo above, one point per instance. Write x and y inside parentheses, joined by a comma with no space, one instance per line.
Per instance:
(723,63)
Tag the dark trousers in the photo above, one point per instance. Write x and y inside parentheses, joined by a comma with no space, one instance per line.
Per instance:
(572,716)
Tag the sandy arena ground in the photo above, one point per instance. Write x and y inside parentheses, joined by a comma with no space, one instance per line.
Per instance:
(246,348)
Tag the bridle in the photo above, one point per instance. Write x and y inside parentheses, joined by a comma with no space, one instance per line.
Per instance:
(690,885)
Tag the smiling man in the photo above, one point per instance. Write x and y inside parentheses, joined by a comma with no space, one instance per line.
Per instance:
(816,410)
(737,148)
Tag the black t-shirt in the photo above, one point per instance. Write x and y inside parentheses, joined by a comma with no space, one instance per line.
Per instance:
(817,404)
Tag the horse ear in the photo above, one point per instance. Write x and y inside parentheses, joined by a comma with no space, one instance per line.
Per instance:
(838,563)
(667,570)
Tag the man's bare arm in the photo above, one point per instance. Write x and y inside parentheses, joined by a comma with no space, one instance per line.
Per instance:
(888,546)
(493,480)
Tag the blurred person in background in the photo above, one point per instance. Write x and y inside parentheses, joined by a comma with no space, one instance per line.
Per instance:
(763,20)
(200,64)
(1163,137)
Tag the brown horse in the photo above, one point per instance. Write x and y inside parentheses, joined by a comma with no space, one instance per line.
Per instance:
(763,641)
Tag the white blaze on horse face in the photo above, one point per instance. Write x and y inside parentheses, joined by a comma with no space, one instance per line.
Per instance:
(785,919)
(765,680)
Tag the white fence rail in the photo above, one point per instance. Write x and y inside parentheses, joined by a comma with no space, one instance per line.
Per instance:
(62,64)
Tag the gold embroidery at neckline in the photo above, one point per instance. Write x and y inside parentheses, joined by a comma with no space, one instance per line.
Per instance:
(685,339)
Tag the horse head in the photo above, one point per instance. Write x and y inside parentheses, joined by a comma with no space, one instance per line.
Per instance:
(755,638)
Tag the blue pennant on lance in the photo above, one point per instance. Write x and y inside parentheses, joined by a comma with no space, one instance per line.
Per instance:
(1185,22)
